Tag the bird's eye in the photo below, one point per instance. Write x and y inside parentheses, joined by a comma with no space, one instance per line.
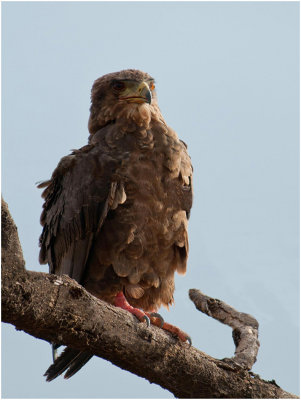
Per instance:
(152,86)
(118,85)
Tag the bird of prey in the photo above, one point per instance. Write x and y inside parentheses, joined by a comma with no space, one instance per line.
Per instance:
(116,210)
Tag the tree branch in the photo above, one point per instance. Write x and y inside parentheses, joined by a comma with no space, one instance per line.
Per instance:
(56,308)
(245,327)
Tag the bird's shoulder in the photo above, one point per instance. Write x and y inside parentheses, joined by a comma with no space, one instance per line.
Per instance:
(77,197)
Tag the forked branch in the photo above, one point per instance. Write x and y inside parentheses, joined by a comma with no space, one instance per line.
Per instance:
(58,309)
(245,327)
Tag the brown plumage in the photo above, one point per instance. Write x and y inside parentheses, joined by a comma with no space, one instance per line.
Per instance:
(116,210)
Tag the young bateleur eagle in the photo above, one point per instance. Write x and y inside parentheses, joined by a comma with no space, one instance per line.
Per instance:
(116,210)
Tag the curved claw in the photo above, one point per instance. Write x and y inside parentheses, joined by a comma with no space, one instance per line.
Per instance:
(188,339)
(157,315)
(147,320)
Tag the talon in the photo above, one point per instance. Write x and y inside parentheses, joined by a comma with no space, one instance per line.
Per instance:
(188,339)
(120,301)
(151,318)
(147,320)
(157,315)
(177,332)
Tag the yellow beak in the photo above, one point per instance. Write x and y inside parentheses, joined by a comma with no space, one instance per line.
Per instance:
(137,93)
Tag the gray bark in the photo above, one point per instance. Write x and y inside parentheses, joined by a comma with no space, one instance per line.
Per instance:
(245,327)
(58,309)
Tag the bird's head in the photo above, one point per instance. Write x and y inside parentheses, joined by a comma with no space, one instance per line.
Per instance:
(128,94)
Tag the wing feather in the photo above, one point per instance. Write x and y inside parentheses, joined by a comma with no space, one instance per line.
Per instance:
(78,198)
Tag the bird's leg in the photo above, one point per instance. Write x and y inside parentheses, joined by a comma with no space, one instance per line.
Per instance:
(155,319)
(121,301)
(159,321)
(152,317)
(177,332)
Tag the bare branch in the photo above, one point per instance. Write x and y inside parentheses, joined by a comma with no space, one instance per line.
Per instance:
(245,327)
(11,254)
(58,309)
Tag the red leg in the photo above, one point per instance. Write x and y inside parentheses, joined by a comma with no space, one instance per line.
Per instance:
(159,321)
(121,301)
(153,318)
(177,331)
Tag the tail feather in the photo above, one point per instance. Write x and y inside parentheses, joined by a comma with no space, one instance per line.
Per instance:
(77,364)
(71,360)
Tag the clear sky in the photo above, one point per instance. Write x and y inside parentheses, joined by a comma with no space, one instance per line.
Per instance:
(228,82)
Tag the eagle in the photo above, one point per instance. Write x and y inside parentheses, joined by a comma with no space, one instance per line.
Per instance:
(115,211)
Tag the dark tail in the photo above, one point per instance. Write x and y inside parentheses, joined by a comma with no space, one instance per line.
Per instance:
(71,360)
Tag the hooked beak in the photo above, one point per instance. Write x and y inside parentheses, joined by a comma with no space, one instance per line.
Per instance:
(140,93)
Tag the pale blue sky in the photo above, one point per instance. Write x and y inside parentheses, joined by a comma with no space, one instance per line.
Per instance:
(228,82)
